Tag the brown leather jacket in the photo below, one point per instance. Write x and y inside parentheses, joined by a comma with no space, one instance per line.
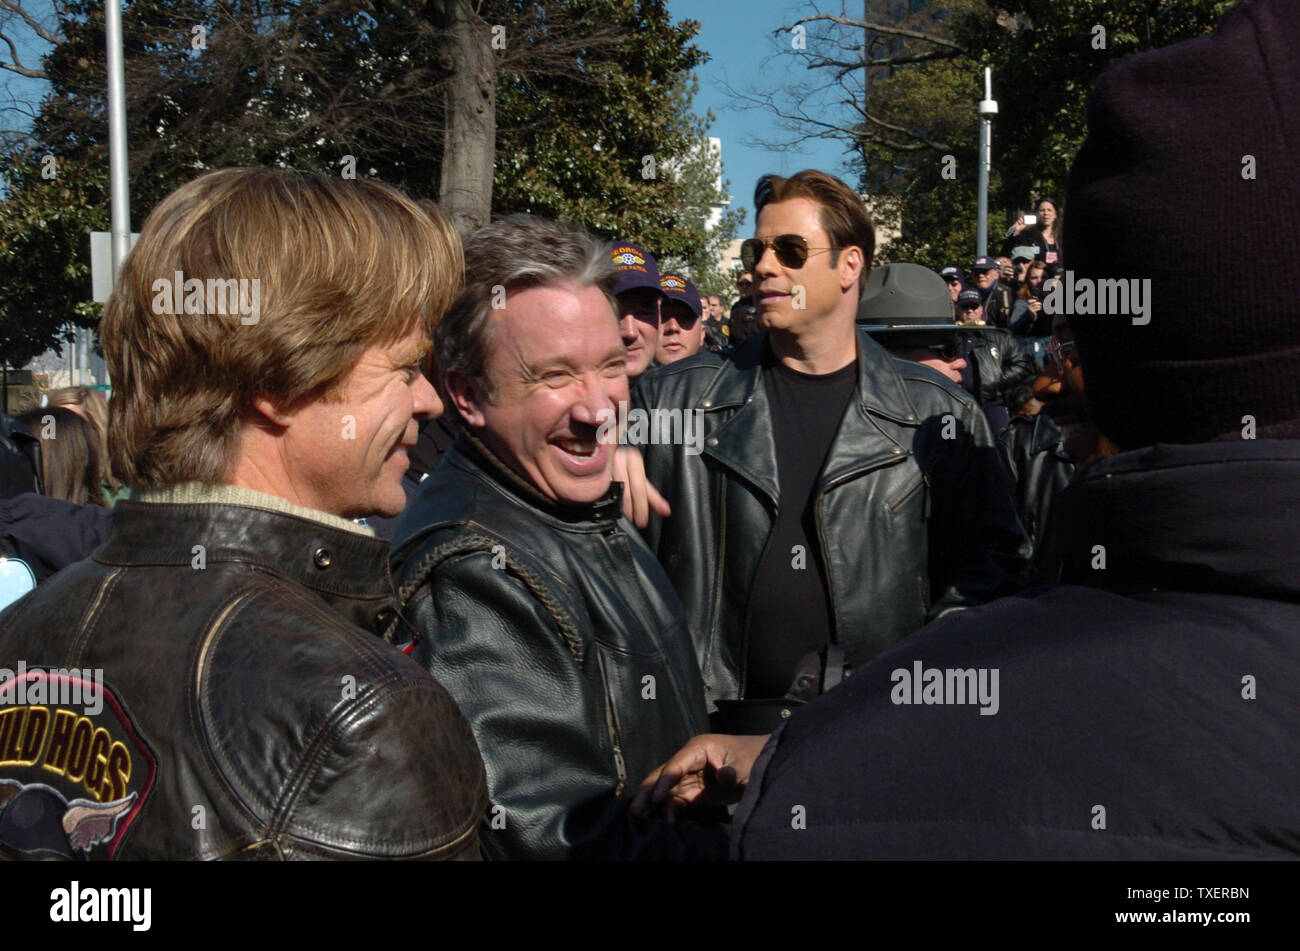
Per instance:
(246,707)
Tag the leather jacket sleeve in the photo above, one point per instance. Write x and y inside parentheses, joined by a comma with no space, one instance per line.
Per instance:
(553,774)
(1016,365)
(421,740)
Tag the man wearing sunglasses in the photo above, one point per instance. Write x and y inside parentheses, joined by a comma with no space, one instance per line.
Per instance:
(1148,701)
(995,296)
(744,314)
(828,508)
(910,321)
(994,361)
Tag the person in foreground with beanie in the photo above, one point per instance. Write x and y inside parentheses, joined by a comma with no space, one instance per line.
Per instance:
(1145,707)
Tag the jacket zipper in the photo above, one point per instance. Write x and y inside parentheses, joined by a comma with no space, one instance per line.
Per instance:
(611,724)
(611,714)
(921,484)
(715,619)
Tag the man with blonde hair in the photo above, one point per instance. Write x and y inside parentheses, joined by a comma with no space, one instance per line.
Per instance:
(209,683)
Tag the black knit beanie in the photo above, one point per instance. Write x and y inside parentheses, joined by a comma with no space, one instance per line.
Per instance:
(1190,176)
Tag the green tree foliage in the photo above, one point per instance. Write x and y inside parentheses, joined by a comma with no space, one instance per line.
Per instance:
(624,158)
(45,228)
(585,90)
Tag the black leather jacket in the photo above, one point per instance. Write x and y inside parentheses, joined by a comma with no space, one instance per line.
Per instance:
(914,508)
(1038,463)
(998,301)
(999,364)
(249,709)
(561,639)
(20,459)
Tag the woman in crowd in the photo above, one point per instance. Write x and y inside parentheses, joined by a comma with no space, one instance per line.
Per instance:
(1043,234)
(90,404)
(1028,320)
(72,455)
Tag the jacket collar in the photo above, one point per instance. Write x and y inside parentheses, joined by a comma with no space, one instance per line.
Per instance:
(745,442)
(1210,517)
(1046,435)
(470,451)
(332,561)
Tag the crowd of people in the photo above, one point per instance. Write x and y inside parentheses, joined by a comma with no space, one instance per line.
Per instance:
(516,547)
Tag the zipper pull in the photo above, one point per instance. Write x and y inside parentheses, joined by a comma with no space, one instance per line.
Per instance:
(621,766)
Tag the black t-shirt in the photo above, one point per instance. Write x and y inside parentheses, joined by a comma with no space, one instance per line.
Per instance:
(789,611)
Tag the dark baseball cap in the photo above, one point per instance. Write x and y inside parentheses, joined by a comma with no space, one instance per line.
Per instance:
(676,287)
(968,297)
(952,273)
(635,267)
(986,264)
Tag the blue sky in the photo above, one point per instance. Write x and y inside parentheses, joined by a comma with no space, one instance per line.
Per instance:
(738,36)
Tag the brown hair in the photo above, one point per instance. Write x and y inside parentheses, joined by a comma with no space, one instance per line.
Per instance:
(94,408)
(321,269)
(72,456)
(843,215)
(1026,291)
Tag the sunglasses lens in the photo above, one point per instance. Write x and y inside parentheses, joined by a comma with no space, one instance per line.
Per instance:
(791,250)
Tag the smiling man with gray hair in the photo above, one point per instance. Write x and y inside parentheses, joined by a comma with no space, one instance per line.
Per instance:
(543,612)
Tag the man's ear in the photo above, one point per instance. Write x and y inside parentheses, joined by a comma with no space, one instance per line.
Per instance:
(271,412)
(468,398)
(852,264)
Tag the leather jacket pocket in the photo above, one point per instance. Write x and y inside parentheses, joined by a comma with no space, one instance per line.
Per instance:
(643,716)
(908,495)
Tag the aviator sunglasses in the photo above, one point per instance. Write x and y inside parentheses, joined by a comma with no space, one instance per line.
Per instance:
(790,249)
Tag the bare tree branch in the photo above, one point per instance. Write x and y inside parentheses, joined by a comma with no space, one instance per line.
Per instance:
(12,6)
(886,29)
(16,66)
(848,66)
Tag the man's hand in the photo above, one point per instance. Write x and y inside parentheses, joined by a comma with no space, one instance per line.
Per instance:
(711,770)
(639,496)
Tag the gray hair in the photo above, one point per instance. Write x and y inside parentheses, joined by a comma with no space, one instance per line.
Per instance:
(511,254)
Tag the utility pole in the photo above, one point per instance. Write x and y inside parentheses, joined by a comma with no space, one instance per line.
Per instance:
(119,188)
(988,108)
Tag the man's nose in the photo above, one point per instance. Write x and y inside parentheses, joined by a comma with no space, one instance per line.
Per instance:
(427,403)
(627,327)
(596,402)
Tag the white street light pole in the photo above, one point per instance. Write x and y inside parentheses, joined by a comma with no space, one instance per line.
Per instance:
(988,108)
